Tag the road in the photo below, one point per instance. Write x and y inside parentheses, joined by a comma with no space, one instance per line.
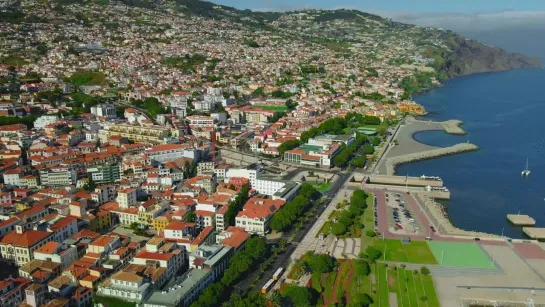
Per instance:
(298,240)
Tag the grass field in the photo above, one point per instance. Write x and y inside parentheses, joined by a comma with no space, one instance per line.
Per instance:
(111,302)
(368,221)
(414,252)
(322,187)
(460,254)
(273,108)
(411,289)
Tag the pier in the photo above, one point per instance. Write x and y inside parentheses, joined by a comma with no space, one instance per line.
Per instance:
(534,233)
(392,163)
(521,220)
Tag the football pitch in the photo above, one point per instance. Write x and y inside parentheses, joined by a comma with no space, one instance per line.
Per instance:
(460,254)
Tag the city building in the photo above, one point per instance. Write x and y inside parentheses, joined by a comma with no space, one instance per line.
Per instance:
(104,110)
(105,173)
(257,213)
(19,246)
(58,176)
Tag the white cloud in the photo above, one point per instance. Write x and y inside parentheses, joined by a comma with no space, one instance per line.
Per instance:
(482,21)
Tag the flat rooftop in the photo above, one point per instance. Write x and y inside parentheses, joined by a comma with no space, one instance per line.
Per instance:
(534,233)
(311,148)
(174,293)
(521,219)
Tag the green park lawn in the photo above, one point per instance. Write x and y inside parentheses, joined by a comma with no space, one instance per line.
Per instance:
(460,254)
(396,251)
(273,108)
(321,187)
(111,302)
(411,288)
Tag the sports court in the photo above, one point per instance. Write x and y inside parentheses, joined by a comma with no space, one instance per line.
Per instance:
(460,254)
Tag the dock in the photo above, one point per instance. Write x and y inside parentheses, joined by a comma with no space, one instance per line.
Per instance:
(521,220)
(534,233)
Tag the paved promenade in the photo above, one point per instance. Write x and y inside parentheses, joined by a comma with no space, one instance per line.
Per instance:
(407,145)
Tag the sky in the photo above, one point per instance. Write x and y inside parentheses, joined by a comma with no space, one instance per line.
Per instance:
(458,15)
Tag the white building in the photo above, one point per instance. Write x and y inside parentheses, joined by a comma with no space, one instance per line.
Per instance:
(45,120)
(57,253)
(204,105)
(200,121)
(127,198)
(126,286)
(58,176)
(12,177)
(171,152)
(104,110)
(263,186)
(257,213)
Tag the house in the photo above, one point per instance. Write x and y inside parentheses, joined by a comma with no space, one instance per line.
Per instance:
(126,286)
(257,213)
(19,246)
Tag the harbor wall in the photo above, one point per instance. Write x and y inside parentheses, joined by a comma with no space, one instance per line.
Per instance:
(393,162)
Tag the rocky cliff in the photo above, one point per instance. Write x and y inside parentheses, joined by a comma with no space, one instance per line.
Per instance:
(467,57)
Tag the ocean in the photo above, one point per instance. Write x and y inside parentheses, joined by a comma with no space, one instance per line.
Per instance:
(504,114)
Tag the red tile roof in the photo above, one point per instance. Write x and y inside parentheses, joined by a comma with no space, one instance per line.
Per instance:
(27,239)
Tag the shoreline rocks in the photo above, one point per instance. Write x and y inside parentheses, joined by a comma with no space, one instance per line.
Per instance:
(453,127)
(393,162)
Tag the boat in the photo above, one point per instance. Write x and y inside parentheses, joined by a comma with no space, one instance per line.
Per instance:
(526,171)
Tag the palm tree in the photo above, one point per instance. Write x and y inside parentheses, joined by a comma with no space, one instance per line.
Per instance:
(275,299)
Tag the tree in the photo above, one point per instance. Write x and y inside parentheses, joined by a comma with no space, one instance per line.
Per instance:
(236,205)
(256,248)
(373,253)
(376,141)
(90,185)
(288,145)
(338,229)
(190,217)
(371,233)
(361,299)
(299,296)
(362,268)
(425,271)
(368,150)
(321,263)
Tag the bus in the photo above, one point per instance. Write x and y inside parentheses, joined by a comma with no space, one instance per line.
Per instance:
(267,286)
(278,273)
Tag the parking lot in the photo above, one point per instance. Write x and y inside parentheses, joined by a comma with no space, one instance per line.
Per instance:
(400,218)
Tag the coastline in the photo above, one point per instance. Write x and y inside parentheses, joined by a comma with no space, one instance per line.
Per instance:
(442,221)
(410,150)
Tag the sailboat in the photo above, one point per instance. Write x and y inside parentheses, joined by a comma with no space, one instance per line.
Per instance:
(526,171)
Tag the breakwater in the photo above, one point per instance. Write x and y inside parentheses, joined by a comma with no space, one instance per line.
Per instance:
(393,162)
(453,127)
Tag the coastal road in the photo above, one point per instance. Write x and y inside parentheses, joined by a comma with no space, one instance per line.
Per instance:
(416,209)
(298,240)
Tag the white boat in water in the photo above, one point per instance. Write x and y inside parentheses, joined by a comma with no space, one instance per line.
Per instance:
(526,171)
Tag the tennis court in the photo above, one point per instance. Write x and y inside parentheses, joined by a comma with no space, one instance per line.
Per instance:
(460,254)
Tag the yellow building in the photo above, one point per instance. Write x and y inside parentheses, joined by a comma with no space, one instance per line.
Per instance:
(102,220)
(411,108)
(139,134)
(160,223)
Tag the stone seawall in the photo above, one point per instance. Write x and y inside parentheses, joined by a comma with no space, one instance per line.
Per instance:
(393,162)
(437,214)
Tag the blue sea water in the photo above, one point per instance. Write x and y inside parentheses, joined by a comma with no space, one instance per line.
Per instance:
(504,114)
